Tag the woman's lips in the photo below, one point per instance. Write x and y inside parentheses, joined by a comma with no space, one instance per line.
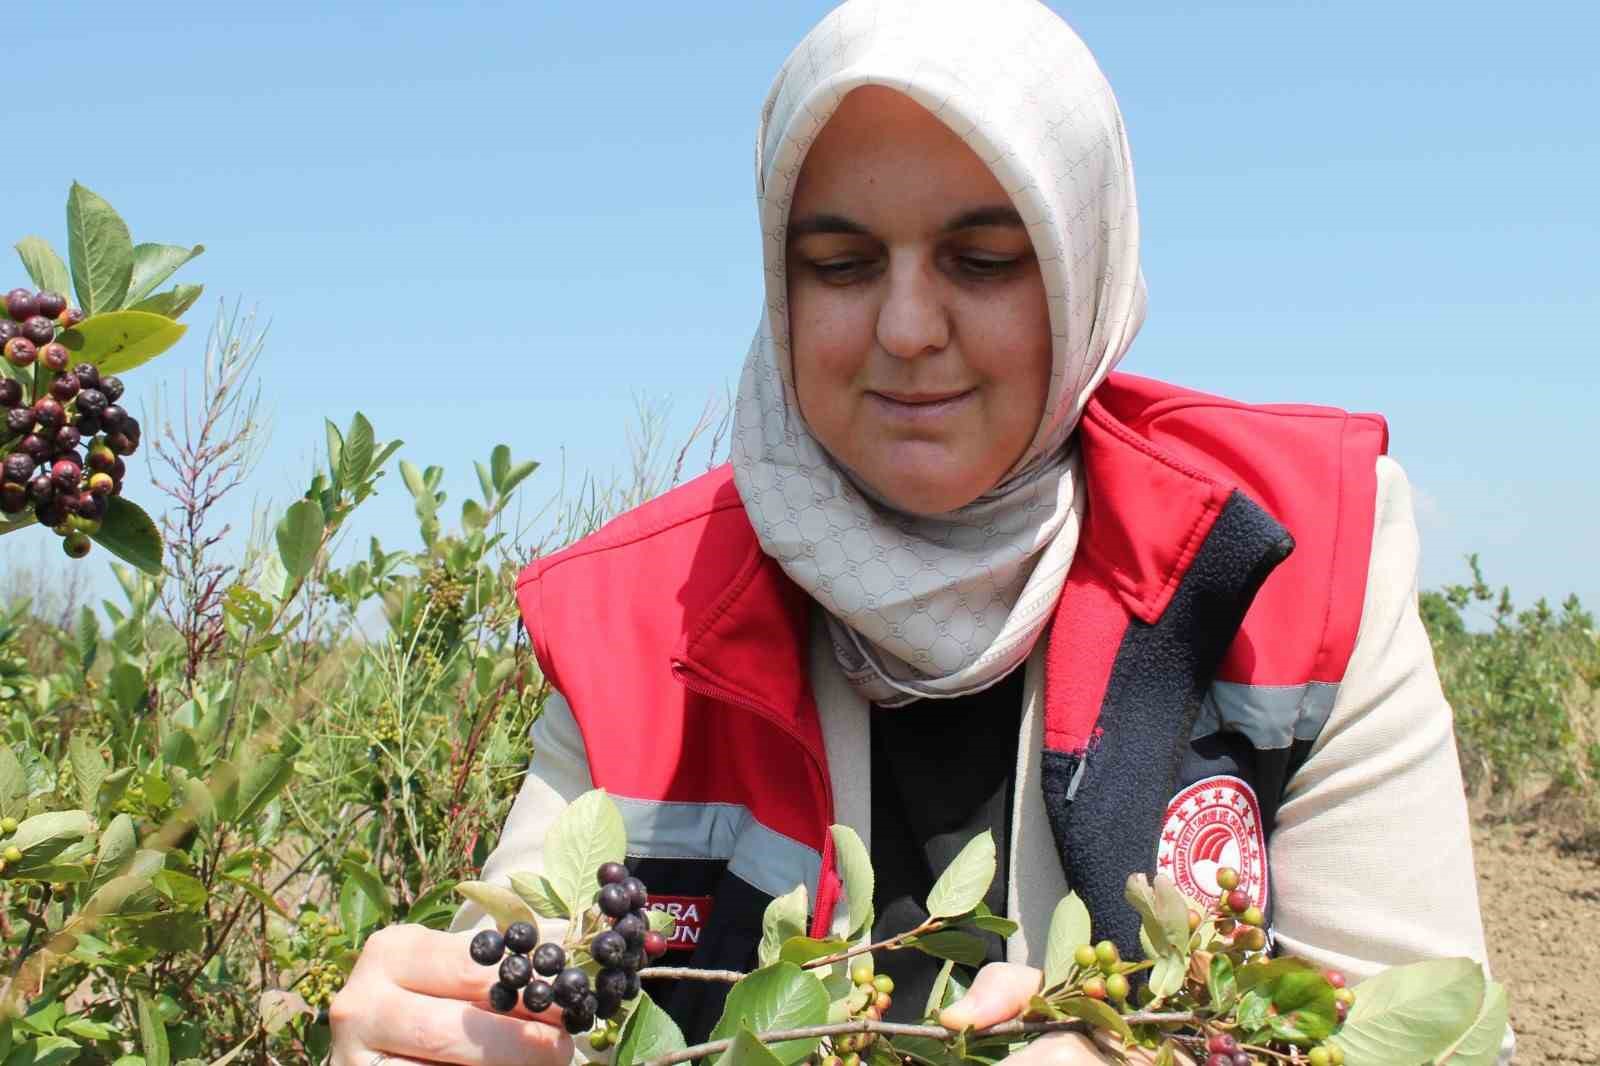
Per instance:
(920,407)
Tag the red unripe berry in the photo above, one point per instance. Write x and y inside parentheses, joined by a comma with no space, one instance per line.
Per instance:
(1223,1043)
(1094,988)
(71,317)
(1227,878)
(50,304)
(881,1001)
(21,304)
(55,356)
(1238,900)
(655,945)
(21,352)
(1335,978)
(101,484)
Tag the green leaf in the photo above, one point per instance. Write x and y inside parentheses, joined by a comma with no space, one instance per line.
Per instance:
(54,829)
(120,341)
(1163,914)
(589,833)
(748,1051)
(1220,983)
(497,902)
(367,878)
(299,537)
(648,1033)
(259,784)
(44,1051)
(952,944)
(44,266)
(130,534)
(1256,974)
(102,258)
(257,893)
(1305,1007)
(849,853)
(152,1034)
(783,920)
(987,921)
(1410,1014)
(538,894)
(155,263)
(780,996)
(88,637)
(415,484)
(13,783)
(802,949)
(357,461)
(473,518)
(127,687)
(172,303)
(335,443)
(936,994)
(1167,974)
(1480,1045)
(965,881)
(118,841)
(180,888)
(358,910)
(277,1009)
(433,908)
(1252,1012)
(88,767)
(1098,1014)
(661,922)
(1069,930)
(499,466)
(515,476)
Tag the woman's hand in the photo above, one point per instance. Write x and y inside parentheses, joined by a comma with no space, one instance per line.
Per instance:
(416,997)
(1001,991)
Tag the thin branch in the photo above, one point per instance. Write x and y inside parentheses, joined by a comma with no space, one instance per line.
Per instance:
(934,1032)
(689,973)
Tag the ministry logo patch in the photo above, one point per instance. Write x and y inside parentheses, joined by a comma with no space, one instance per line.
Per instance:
(1213,823)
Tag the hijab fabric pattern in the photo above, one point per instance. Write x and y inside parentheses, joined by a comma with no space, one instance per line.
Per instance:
(941,606)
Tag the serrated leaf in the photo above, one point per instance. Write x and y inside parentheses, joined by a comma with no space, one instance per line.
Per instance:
(130,534)
(589,833)
(120,341)
(648,1034)
(986,922)
(747,1050)
(172,303)
(13,783)
(44,266)
(358,442)
(783,920)
(88,767)
(1480,1045)
(88,638)
(118,841)
(45,831)
(802,949)
(153,264)
(780,996)
(1221,986)
(180,888)
(1070,929)
(299,536)
(539,895)
(497,902)
(101,250)
(963,884)
(152,1033)
(1412,1013)
(258,785)
(662,922)
(1256,974)
(1098,1014)
(854,865)
(952,944)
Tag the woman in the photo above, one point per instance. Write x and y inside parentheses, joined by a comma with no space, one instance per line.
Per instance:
(958,578)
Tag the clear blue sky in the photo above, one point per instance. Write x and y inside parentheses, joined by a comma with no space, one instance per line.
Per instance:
(484,222)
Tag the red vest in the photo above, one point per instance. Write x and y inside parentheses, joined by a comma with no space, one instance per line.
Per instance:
(682,647)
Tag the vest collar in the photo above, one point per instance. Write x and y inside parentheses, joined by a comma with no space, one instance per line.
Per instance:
(1146,515)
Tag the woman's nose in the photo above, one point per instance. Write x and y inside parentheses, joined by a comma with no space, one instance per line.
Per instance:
(912,320)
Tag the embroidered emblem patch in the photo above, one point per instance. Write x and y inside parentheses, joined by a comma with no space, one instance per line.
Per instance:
(1213,823)
(690,912)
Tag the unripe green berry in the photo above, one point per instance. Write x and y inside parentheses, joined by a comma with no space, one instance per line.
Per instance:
(883,983)
(1252,916)
(1095,988)
(1347,996)
(1335,1054)
(1227,878)
(1084,956)
(1117,987)
(8,825)
(852,1059)
(1320,1056)
(861,972)
(1105,954)
(600,1041)
(13,854)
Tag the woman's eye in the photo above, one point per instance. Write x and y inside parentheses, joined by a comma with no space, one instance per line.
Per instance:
(985,267)
(838,270)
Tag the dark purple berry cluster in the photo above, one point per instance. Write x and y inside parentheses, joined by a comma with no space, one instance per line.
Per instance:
(540,974)
(65,430)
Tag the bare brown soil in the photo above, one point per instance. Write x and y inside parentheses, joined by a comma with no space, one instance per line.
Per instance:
(1540,893)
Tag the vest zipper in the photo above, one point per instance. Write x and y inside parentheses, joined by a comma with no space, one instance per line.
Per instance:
(827,893)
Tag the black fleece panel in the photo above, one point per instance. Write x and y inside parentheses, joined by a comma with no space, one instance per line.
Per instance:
(1110,826)
(729,937)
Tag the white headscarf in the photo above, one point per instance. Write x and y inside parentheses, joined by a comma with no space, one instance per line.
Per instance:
(946,605)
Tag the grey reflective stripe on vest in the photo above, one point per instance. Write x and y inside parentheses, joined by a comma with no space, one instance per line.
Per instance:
(723,832)
(1271,717)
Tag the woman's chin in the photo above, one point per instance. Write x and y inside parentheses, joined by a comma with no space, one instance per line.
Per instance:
(922,492)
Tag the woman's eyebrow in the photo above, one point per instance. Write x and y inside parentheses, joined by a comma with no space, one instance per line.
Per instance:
(984,216)
(810,224)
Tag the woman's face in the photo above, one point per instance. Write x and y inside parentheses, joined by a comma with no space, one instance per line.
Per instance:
(917,316)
